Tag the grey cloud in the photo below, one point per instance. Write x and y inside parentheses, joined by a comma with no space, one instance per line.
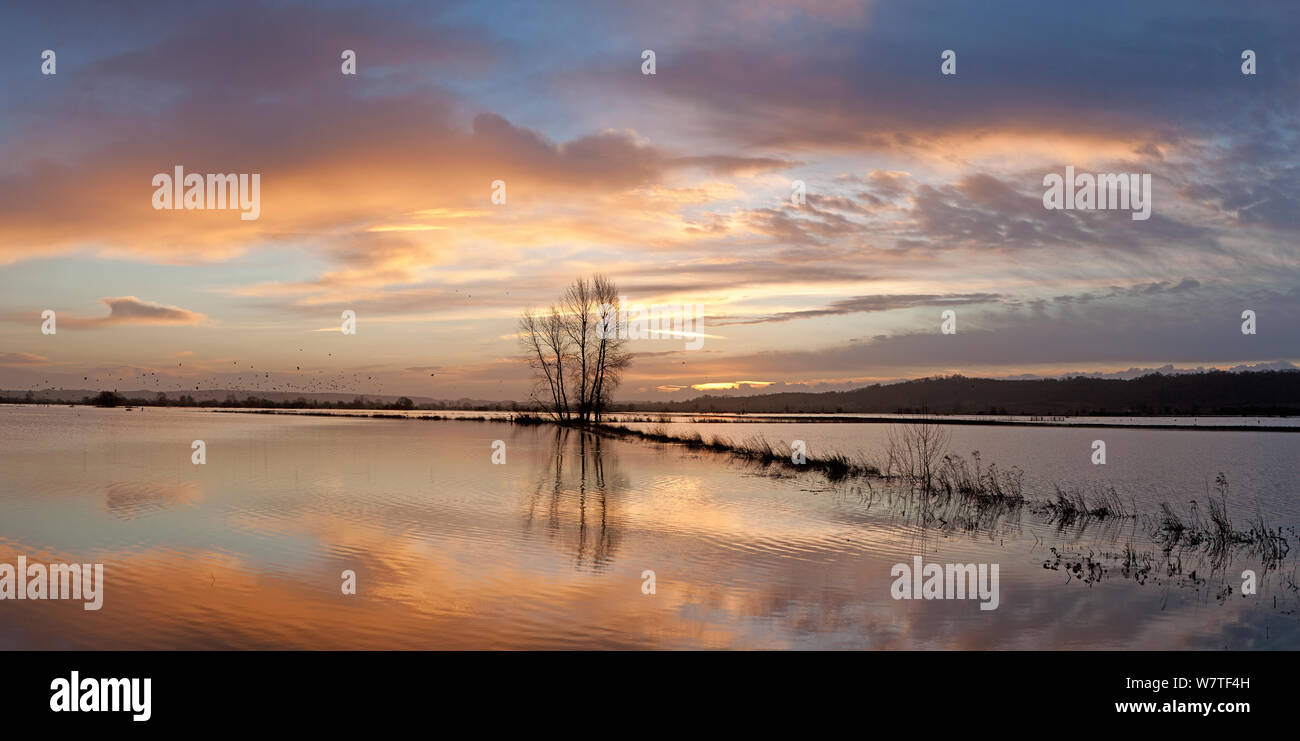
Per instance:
(867,304)
(131,310)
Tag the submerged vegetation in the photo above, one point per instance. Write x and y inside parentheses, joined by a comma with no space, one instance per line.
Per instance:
(755,449)
(1215,533)
(1069,507)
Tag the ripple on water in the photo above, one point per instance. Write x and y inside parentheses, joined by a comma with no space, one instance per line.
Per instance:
(547,551)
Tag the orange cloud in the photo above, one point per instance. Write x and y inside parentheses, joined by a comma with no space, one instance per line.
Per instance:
(731,385)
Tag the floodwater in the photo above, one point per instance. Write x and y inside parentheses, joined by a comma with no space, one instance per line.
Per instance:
(554,548)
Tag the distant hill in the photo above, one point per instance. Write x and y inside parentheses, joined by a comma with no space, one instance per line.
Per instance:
(1265,393)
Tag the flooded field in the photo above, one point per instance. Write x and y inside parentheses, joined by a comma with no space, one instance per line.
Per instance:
(559,545)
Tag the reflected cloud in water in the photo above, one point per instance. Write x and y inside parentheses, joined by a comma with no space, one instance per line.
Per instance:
(546,551)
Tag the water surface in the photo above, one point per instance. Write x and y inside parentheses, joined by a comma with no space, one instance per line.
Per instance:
(549,549)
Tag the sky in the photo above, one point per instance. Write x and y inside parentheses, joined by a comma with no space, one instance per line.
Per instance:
(924,190)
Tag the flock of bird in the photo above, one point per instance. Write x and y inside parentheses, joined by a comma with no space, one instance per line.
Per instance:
(247,381)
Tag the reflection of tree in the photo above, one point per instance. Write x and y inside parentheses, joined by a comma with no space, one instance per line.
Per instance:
(577,491)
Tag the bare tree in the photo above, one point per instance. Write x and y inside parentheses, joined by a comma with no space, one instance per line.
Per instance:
(914,450)
(612,356)
(579,327)
(575,350)
(546,347)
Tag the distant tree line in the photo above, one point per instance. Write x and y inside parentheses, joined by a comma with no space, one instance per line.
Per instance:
(114,399)
(1216,393)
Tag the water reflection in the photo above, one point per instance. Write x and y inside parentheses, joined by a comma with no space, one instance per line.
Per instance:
(572,495)
(452,551)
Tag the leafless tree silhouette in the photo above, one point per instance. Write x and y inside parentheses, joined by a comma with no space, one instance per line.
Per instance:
(576,351)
